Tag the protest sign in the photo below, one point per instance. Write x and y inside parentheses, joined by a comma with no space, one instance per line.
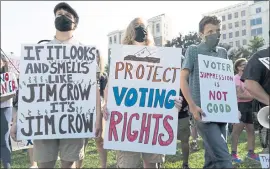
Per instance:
(57,97)
(264,159)
(9,84)
(143,83)
(217,89)
(20,145)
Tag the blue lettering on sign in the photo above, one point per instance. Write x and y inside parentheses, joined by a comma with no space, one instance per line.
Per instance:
(130,97)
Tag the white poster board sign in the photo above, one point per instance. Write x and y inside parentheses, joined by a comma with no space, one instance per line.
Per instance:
(57,96)
(143,84)
(217,89)
(9,84)
(264,159)
(20,145)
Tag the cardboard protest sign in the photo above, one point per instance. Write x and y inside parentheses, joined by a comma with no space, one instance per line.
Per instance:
(57,97)
(264,159)
(143,83)
(217,89)
(9,84)
(265,61)
(20,145)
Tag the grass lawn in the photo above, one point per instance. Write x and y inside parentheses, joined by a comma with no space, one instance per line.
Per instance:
(196,160)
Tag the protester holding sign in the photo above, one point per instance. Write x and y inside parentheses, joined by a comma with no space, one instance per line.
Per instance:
(216,150)
(245,107)
(136,34)
(67,140)
(6,110)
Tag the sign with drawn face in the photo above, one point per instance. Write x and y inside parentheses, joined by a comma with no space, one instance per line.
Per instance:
(143,84)
(57,97)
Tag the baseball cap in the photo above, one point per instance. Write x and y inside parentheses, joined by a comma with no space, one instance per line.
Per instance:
(68,8)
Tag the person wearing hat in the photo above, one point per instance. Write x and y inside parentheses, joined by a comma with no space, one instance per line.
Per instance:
(70,150)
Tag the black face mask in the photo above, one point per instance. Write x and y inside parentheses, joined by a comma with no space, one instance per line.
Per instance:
(63,24)
(140,34)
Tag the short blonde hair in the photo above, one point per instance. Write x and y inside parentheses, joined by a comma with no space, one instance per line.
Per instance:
(129,37)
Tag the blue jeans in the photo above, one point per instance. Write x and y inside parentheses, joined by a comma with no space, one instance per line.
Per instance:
(216,150)
(6,116)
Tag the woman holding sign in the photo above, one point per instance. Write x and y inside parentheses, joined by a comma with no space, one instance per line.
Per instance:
(137,34)
(245,107)
(5,112)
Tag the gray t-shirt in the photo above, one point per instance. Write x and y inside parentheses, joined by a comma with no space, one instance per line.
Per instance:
(191,63)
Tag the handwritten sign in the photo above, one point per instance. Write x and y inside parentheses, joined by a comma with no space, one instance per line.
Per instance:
(57,97)
(265,61)
(264,159)
(217,89)
(143,83)
(9,84)
(20,145)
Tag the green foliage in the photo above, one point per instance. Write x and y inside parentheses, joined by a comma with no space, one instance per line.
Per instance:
(196,159)
(184,41)
(255,44)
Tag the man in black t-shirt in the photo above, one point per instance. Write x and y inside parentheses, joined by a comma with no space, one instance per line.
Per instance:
(183,132)
(257,77)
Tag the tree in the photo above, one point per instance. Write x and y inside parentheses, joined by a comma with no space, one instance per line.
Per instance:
(191,38)
(107,69)
(184,41)
(255,44)
(236,53)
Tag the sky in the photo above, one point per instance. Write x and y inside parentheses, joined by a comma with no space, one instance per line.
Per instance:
(27,22)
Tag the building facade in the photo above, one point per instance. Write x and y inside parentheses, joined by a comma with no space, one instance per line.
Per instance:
(241,22)
(159,26)
(115,37)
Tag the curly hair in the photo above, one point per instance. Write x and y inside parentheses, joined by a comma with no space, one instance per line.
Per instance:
(208,20)
(129,37)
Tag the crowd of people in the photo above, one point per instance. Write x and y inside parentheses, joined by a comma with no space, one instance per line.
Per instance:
(252,83)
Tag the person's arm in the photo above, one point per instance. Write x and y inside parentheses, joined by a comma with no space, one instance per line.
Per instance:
(253,75)
(241,94)
(98,114)
(13,130)
(256,90)
(187,67)
(185,87)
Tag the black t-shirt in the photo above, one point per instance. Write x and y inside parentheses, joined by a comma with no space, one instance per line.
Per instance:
(183,113)
(257,71)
